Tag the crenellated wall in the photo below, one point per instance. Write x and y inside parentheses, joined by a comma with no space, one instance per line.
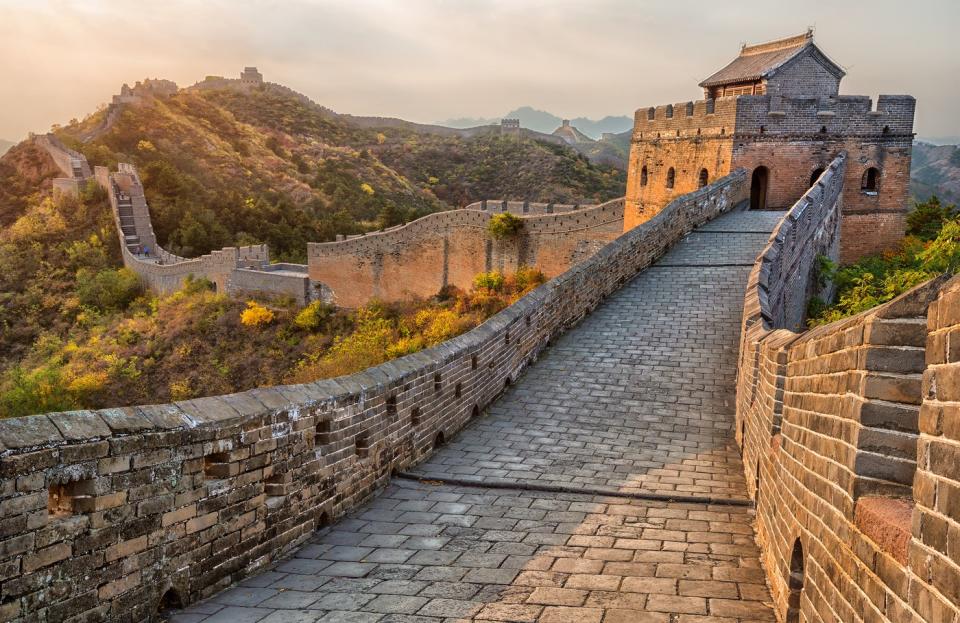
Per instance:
(451,248)
(106,513)
(786,142)
(841,430)
(524,208)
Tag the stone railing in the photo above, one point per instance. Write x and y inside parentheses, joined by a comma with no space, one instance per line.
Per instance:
(829,422)
(107,514)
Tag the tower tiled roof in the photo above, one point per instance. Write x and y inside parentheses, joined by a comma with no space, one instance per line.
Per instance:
(759,61)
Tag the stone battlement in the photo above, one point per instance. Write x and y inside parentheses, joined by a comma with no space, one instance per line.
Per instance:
(776,116)
(521,208)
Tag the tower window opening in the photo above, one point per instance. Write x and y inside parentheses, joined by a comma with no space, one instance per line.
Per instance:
(671,176)
(870,182)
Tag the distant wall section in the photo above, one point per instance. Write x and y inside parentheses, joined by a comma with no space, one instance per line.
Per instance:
(451,248)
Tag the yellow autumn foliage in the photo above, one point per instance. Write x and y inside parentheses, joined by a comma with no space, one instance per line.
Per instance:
(255,315)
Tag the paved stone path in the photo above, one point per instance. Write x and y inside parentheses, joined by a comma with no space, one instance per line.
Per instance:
(540,516)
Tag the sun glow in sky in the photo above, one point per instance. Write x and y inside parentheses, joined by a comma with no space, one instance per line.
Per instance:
(429,60)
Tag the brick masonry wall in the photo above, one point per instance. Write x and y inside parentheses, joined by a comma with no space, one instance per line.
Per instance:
(830,429)
(792,138)
(105,512)
(451,248)
(933,554)
(687,136)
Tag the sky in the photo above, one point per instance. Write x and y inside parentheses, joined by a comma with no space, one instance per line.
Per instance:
(429,60)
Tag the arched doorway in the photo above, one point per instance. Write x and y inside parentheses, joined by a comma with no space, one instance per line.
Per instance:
(795,583)
(758,188)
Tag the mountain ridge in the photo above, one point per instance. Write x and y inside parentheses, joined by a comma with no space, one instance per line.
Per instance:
(546,122)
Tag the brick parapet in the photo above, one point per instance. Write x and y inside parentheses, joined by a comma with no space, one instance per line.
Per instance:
(451,248)
(105,511)
(828,424)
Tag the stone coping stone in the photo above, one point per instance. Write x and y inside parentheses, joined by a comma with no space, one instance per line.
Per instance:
(79,425)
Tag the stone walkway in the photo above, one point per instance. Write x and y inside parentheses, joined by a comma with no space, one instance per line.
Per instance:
(561,503)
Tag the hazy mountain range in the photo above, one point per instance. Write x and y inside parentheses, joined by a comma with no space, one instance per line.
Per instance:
(5,145)
(543,121)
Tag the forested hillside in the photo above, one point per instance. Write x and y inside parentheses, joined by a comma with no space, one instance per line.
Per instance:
(222,168)
(227,167)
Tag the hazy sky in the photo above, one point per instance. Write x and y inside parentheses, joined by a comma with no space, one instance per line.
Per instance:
(427,60)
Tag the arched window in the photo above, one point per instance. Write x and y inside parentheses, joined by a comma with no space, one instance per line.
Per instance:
(703,178)
(669,111)
(871,181)
(651,112)
(643,176)
(795,583)
(816,175)
(671,176)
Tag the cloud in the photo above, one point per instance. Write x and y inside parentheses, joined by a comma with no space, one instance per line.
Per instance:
(433,59)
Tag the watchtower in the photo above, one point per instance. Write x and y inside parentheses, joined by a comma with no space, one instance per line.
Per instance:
(250,76)
(776,111)
(510,127)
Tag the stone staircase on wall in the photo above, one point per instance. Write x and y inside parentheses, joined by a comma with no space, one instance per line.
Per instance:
(889,418)
(128,228)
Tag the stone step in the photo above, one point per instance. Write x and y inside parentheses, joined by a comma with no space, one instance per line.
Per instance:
(891,416)
(893,387)
(898,359)
(899,331)
(877,486)
(891,443)
(886,468)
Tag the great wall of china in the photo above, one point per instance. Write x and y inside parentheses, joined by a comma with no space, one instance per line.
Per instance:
(413,260)
(847,436)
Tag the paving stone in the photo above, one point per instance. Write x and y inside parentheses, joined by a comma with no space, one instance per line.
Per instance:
(450,608)
(238,614)
(402,604)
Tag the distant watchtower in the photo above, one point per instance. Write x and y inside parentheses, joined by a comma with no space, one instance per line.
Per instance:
(775,110)
(250,76)
(510,127)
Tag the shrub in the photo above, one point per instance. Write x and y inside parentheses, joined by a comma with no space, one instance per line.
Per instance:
(927,218)
(314,316)
(504,225)
(492,281)
(39,391)
(877,279)
(255,315)
(108,289)
(526,278)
